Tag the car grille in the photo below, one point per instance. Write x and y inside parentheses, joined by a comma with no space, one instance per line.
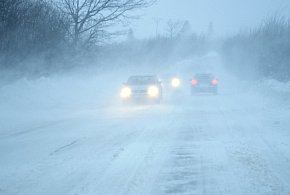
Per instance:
(139,91)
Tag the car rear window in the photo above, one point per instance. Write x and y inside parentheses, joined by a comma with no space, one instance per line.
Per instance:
(203,76)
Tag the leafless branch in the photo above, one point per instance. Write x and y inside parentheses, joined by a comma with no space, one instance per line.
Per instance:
(90,17)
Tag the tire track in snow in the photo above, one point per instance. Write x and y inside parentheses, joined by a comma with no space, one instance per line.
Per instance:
(32,130)
(65,147)
(199,159)
(70,165)
(185,172)
(260,162)
(139,159)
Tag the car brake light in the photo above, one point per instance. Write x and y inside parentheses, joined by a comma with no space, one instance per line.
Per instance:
(194,82)
(214,82)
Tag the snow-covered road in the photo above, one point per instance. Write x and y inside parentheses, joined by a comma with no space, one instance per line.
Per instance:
(205,145)
(237,142)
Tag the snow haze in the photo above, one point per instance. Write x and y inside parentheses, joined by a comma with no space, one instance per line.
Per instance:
(227,16)
(93,105)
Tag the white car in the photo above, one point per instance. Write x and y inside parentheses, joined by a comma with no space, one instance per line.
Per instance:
(147,88)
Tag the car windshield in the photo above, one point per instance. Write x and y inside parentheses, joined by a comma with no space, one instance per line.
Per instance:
(142,80)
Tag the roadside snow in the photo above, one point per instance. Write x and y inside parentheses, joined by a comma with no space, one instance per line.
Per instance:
(69,135)
(277,85)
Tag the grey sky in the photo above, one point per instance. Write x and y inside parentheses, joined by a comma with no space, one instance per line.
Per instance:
(228,16)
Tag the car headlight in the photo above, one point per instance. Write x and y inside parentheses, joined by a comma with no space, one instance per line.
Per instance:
(126,92)
(153,91)
(175,82)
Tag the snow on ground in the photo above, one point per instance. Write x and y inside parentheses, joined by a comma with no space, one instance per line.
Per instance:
(278,86)
(70,135)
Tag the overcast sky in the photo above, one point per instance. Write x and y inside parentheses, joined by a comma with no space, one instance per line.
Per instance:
(228,16)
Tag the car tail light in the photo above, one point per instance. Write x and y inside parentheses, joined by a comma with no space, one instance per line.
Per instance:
(194,82)
(214,82)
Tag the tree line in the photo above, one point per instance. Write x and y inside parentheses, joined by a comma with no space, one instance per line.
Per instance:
(29,28)
(263,52)
(47,28)
(178,42)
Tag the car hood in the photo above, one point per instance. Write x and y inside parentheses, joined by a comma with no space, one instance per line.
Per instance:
(139,87)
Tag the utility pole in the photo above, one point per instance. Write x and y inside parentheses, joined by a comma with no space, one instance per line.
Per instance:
(157,21)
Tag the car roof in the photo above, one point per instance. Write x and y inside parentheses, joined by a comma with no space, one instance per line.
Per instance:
(203,75)
(143,76)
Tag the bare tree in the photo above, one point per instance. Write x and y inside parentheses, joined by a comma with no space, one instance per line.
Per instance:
(173,28)
(90,18)
(210,31)
(29,28)
(185,30)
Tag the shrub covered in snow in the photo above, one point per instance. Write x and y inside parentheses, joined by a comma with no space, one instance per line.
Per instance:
(263,52)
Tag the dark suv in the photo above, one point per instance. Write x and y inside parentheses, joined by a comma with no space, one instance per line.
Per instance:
(204,83)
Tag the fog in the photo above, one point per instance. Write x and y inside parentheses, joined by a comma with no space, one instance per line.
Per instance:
(95,99)
(228,16)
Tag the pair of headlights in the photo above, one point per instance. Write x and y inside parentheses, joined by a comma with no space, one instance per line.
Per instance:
(152,91)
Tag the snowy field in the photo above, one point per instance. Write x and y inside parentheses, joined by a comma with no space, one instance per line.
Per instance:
(71,135)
